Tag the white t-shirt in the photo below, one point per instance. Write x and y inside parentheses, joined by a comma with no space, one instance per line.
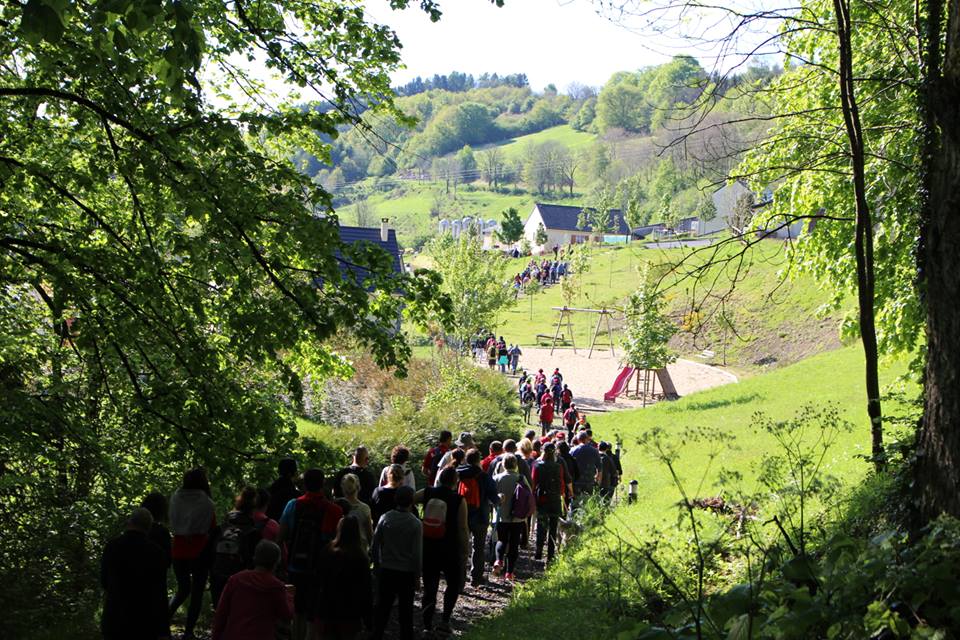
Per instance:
(409,480)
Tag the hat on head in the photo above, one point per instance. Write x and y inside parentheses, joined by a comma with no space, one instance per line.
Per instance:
(465,439)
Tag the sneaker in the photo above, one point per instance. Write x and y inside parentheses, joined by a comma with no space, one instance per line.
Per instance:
(509,577)
(497,568)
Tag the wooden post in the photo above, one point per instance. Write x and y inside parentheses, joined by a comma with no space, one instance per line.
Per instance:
(556,335)
(570,328)
(596,333)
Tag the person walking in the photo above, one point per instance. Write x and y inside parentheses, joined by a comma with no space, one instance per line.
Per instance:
(527,399)
(609,478)
(566,399)
(549,489)
(401,456)
(492,355)
(496,448)
(346,603)
(570,418)
(133,575)
(385,498)
(515,354)
(570,471)
(308,524)
(358,467)
(239,537)
(546,414)
(445,547)
(254,601)
(509,526)
(193,523)
(359,511)
(589,466)
(159,534)
(431,461)
(397,552)
(503,355)
(283,489)
(480,493)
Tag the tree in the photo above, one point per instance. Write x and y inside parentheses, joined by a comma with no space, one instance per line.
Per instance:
(541,236)
(706,209)
(938,461)
(742,215)
(647,329)
(597,217)
(491,164)
(468,164)
(167,287)
(475,280)
(567,164)
(364,213)
(511,227)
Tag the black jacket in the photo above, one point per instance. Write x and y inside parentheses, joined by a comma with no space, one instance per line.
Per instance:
(133,574)
(282,491)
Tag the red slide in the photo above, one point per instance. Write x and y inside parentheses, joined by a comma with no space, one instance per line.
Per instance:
(618,385)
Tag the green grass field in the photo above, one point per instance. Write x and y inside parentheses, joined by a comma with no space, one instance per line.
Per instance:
(541,606)
(771,317)
(566,135)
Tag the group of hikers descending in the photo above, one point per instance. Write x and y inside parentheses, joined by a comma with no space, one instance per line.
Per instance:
(553,398)
(497,353)
(545,272)
(316,557)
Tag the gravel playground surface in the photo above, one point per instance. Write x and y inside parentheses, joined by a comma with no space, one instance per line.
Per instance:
(590,378)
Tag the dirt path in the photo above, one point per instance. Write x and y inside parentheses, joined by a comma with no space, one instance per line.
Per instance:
(591,378)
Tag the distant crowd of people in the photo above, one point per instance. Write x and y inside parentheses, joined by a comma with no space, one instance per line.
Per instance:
(544,272)
(497,353)
(316,557)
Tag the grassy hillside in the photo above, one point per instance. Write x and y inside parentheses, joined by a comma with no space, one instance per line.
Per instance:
(513,149)
(834,378)
(408,203)
(776,322)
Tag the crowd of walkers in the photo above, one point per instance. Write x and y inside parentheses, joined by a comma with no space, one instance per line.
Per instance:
(543,272)
(497,353)
(316,557)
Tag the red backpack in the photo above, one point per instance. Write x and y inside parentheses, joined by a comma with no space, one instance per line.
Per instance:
(470,490)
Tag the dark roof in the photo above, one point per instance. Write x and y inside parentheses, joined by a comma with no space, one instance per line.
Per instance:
(564,217)
(351,235)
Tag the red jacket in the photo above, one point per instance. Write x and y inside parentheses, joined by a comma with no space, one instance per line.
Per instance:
(546,412)
(251,605)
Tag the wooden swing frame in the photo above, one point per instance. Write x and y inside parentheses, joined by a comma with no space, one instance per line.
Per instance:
(566,314)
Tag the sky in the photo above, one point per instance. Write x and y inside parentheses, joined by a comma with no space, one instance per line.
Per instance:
(559,41)
(551,41)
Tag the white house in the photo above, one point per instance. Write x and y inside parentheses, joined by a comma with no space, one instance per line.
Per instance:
(560,222)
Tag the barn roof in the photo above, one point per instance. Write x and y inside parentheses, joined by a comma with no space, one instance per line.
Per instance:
(565,217)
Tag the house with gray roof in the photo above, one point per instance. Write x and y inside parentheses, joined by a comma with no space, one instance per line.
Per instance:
(561,224)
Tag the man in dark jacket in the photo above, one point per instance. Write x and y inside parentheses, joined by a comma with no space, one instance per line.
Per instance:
(133,574)
(283,489)
(358,467)
(480,492)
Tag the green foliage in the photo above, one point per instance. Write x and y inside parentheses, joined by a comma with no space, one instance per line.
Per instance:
(511,227)
(799,161)
(474,279)
(647,329)
(639,102)
(461,397)
(541,236)
(166,274)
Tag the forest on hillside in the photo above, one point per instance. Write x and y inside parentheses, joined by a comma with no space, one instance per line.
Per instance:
(464,133)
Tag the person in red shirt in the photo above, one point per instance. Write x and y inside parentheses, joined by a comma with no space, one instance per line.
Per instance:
(496,448)
(254,600)
(431,461)
(570,417)
(192,520)
(308,524)
(546,414)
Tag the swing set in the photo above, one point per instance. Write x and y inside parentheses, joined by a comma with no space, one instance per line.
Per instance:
(566,318)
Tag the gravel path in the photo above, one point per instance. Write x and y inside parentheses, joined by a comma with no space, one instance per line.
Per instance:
(590,378)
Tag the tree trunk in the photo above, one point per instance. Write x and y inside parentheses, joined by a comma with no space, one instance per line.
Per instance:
(938,447)
(864,232)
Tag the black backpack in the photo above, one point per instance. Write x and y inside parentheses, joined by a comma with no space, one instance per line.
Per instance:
(235,546)
(309,539)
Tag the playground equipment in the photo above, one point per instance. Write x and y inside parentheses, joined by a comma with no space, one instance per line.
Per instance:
(566,315)
(619,384)
(668,391)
